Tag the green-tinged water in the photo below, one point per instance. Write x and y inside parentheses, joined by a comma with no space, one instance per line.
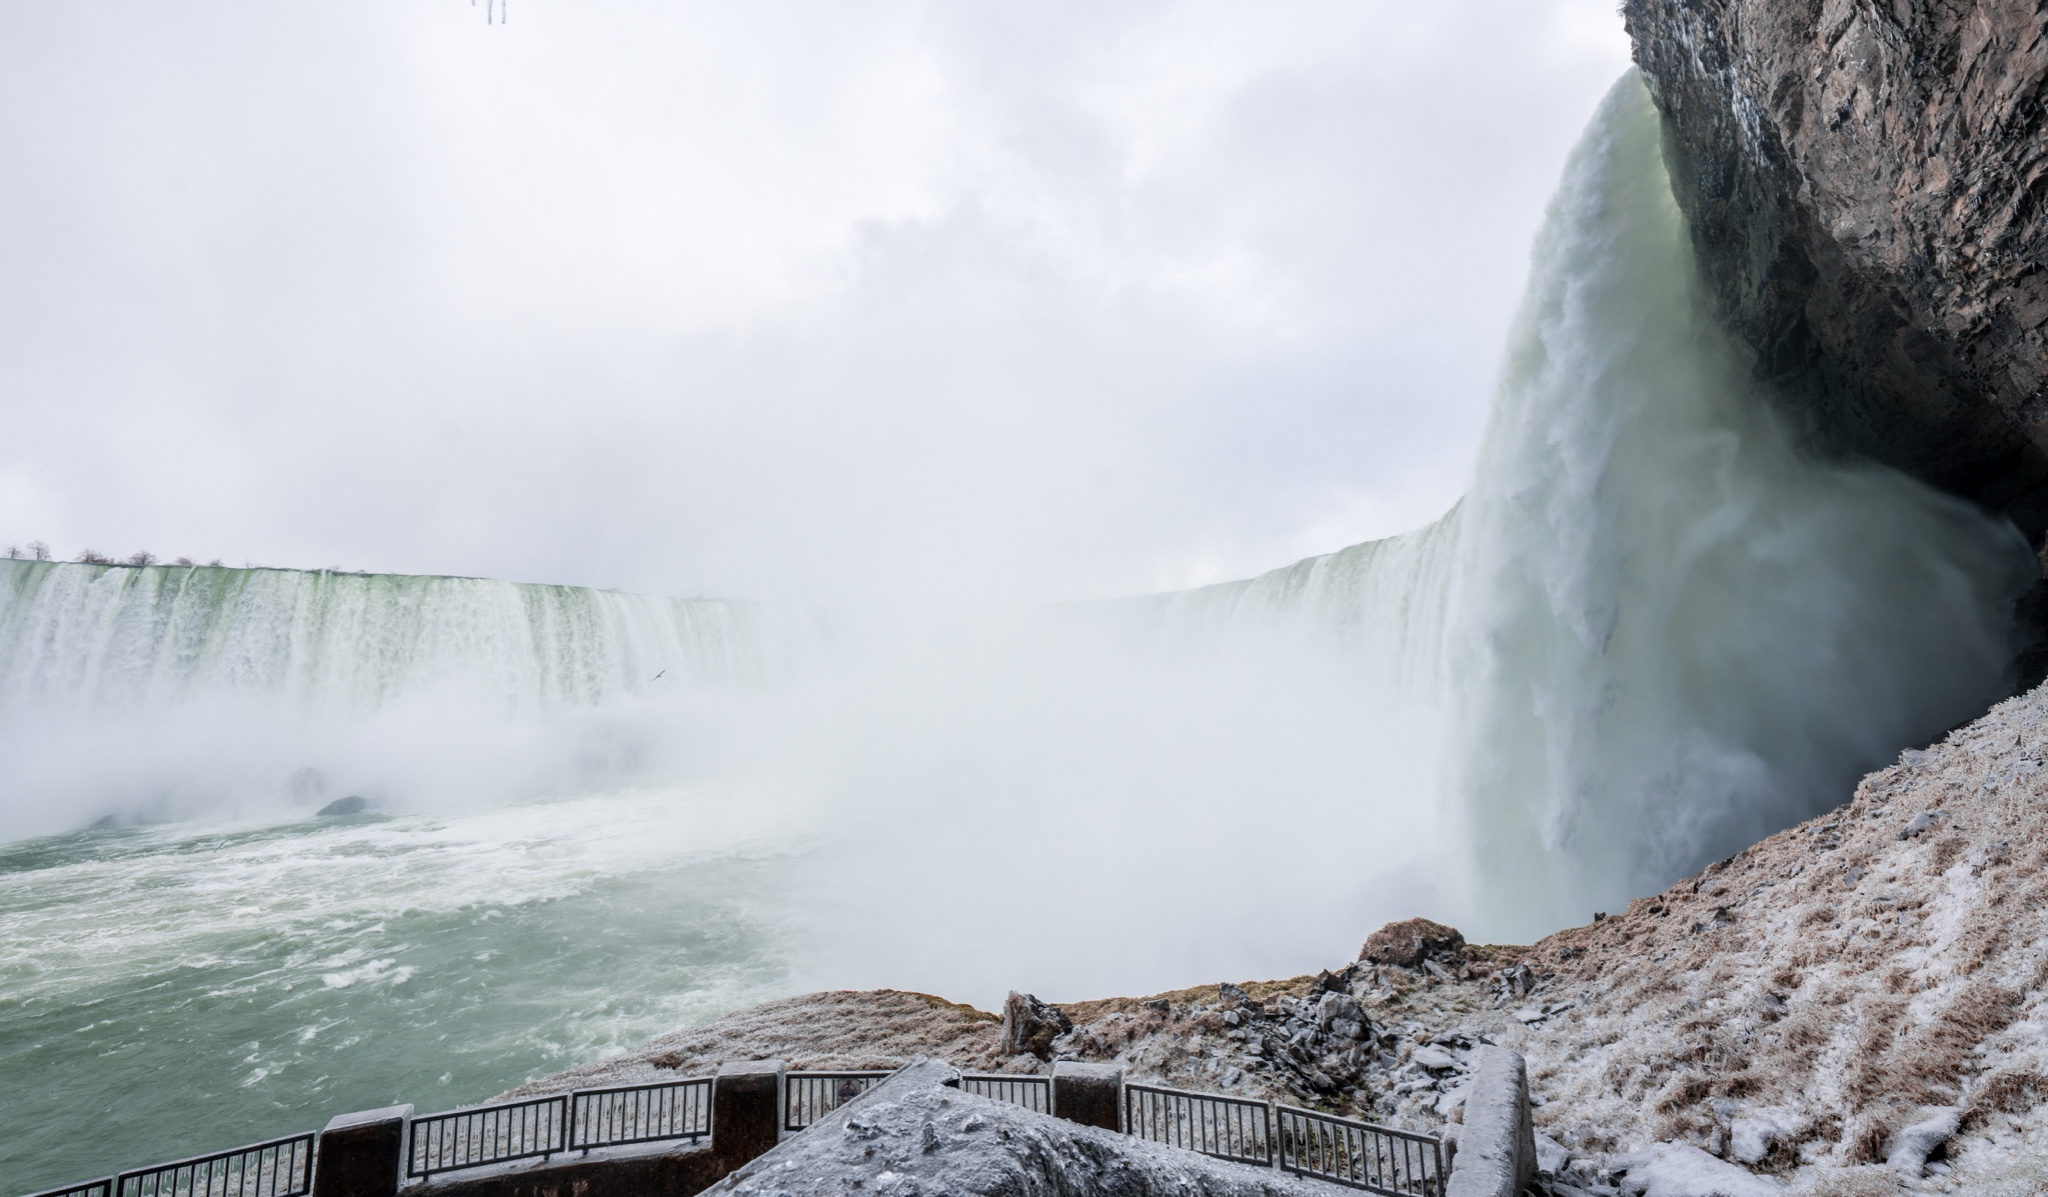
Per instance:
(169,991)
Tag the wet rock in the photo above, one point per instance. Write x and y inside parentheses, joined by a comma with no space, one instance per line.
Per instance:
(354,804)
(1862,186)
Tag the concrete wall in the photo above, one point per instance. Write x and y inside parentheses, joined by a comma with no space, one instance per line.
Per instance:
(1497,1147)
(669,1173)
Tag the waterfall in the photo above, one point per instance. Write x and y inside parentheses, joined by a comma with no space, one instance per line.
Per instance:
(159,691)
(1655,629)
(116,636)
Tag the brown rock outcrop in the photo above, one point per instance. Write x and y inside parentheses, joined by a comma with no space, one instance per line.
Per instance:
(1410,942)
(1030,1026)
(1867,186)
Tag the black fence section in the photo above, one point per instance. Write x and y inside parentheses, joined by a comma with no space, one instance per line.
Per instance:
(1378,1159)
(1374,1158)
(1229,1128)
(1031,1092)
(104,1187)
(809,1096)
(279,1168)
(517,1130)
(640,1114)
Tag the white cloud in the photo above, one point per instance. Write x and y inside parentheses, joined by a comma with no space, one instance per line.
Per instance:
(785,299)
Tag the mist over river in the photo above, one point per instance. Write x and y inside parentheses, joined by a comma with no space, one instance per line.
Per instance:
(1653,631)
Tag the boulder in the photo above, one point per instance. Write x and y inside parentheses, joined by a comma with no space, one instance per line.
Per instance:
(1412,942)
(1030,1026)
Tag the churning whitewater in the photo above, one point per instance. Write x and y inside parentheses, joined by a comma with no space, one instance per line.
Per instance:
(1653,631)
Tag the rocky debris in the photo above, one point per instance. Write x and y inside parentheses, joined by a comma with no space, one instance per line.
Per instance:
(1864,186)
(1030,1026)
(916,1136)
(1384,1044)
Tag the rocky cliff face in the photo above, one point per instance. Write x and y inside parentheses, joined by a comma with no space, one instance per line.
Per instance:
(1866,182)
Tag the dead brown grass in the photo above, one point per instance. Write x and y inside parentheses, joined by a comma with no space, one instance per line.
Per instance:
(2013,1091)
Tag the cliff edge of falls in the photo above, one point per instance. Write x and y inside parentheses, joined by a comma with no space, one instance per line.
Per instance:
(1865,185)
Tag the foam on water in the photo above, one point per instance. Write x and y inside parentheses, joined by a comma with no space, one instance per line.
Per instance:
(179,988)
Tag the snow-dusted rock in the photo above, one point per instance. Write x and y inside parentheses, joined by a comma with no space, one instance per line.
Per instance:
(914,1134)
(1551,1155)
(1911,1146)
(1752,1135)
(1435,1059)
(1682,1170)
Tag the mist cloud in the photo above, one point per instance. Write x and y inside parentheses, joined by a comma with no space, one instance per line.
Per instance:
(788,301)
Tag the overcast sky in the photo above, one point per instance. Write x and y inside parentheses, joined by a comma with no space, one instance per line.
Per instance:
(788,300)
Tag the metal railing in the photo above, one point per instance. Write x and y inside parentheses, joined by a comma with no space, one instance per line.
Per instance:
(640,1114)
(809,1096)
(278,1168)
(104,1187)
(516,1130)
(1321,1146)
(1379,1159)
(1229,1128)
(1032,1092)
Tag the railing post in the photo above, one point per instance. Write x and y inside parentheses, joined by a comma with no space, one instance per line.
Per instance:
(1090,1094)
(361,1154)
(746,1111)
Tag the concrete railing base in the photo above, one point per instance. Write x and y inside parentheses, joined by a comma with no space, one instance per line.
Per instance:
(1496,1154)
(361,1154)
